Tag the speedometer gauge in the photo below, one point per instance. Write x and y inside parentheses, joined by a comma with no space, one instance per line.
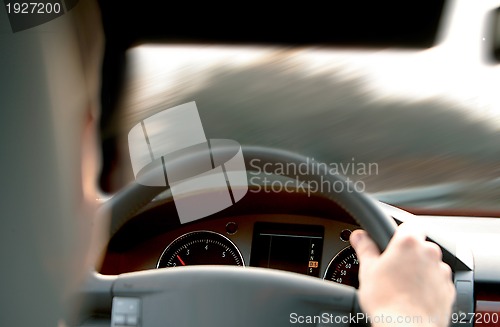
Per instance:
(200,248)
(343,268)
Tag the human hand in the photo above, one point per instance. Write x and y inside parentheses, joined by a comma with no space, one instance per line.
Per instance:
(408,280)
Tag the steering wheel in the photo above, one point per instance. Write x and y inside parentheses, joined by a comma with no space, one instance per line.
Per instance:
(235,296)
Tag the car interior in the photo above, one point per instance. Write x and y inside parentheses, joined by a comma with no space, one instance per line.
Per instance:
(169,169)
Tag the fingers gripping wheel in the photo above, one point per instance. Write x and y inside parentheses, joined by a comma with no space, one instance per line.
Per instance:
(184,294)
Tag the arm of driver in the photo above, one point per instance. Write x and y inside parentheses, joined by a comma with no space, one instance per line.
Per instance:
(408,282)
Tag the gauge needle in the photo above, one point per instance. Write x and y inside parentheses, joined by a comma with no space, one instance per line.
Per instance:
(180,260)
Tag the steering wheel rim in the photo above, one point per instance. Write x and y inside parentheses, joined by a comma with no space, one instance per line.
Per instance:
(362,208)
(295,291)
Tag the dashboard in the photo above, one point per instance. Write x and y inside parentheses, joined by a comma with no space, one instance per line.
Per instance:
(277,232)
(311,245)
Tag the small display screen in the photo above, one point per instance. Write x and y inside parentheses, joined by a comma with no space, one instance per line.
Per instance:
(290,247)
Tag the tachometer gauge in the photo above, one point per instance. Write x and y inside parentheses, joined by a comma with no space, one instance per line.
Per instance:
(343,268)
(200,248)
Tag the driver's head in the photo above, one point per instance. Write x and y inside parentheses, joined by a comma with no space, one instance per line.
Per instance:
(49,82)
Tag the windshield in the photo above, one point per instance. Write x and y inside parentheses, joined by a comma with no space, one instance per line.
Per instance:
(402,119)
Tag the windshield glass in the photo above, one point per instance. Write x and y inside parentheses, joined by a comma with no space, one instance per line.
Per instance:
(410,120)
(418,127)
